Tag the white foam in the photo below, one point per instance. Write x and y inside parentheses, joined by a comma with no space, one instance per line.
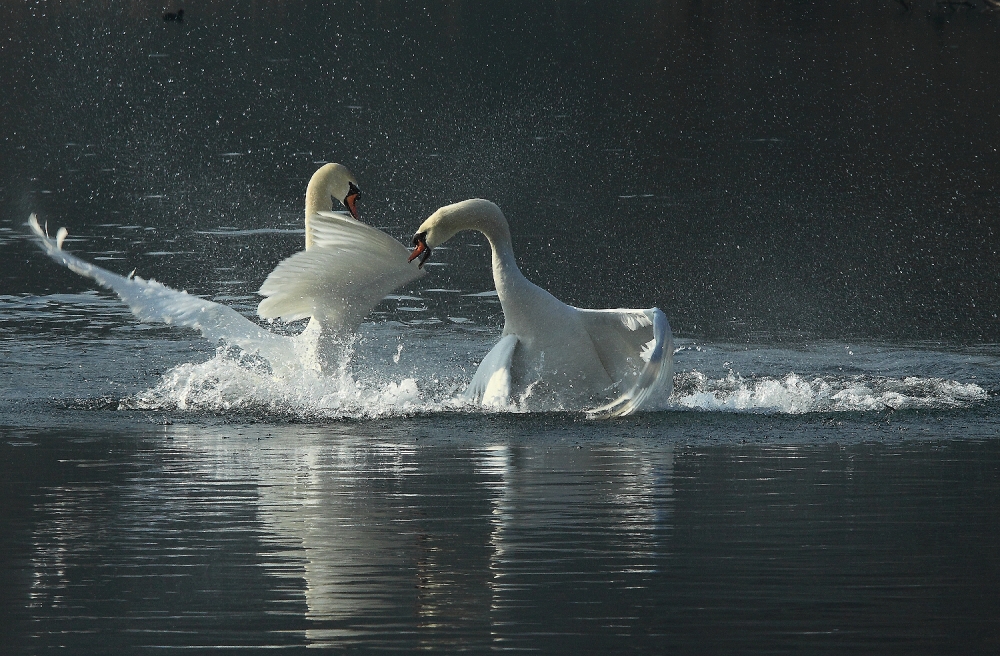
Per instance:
(231,382)
(390,369)
(793,394)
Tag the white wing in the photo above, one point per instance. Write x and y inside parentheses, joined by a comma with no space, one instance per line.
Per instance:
(636,348)
(491,384)
(317,221)
(350,267)
(151,301)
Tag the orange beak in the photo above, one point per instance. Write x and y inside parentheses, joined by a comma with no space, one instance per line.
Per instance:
(422,251)
(351,202)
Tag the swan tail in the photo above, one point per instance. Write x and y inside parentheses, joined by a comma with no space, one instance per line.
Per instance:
(654,383)
(154,302)
(491,384)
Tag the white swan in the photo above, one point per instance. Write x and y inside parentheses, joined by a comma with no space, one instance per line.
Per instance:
(613,361)
(347,269)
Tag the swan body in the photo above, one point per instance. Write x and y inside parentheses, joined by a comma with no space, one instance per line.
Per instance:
(346,269)
(613,362)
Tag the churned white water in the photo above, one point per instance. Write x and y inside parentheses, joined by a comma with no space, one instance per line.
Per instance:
(391,370)
(796,394)
(93,348)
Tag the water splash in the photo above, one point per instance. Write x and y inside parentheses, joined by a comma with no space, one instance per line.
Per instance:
(794,394)
(232,382)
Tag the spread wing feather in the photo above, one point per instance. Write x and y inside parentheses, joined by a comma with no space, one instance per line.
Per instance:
(350,267)
(152,301)
(490,385)
(636,349)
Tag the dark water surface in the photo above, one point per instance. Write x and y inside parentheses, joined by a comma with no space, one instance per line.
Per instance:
(819,169)
(808,190)
(523,534)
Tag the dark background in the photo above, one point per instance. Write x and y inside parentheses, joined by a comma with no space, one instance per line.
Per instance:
(759,170)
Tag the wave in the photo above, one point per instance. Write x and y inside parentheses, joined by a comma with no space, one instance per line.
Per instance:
(794,394)
(362,388)
(233,382)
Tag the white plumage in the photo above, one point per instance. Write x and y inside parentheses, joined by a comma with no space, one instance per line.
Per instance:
(154,302)
(614,362)
(347,269)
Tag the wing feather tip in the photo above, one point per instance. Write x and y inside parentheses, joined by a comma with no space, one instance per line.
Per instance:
(35,227)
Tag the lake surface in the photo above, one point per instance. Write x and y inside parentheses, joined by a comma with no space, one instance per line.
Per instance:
(522,533)
(809,192)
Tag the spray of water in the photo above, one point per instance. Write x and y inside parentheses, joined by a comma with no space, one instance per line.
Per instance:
(377,374)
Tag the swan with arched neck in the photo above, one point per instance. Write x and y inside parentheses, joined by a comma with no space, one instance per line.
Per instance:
(346,269)
(610,362)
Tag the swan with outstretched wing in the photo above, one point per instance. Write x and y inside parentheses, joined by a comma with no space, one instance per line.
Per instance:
(346,269)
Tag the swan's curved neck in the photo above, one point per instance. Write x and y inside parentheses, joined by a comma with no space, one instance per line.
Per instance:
(318,199)
(507,276)
(491,222)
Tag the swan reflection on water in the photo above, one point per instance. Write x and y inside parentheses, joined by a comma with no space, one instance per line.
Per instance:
(455,537)
(357,535)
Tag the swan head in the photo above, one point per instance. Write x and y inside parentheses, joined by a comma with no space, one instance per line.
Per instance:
(333,182)
(474,214)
